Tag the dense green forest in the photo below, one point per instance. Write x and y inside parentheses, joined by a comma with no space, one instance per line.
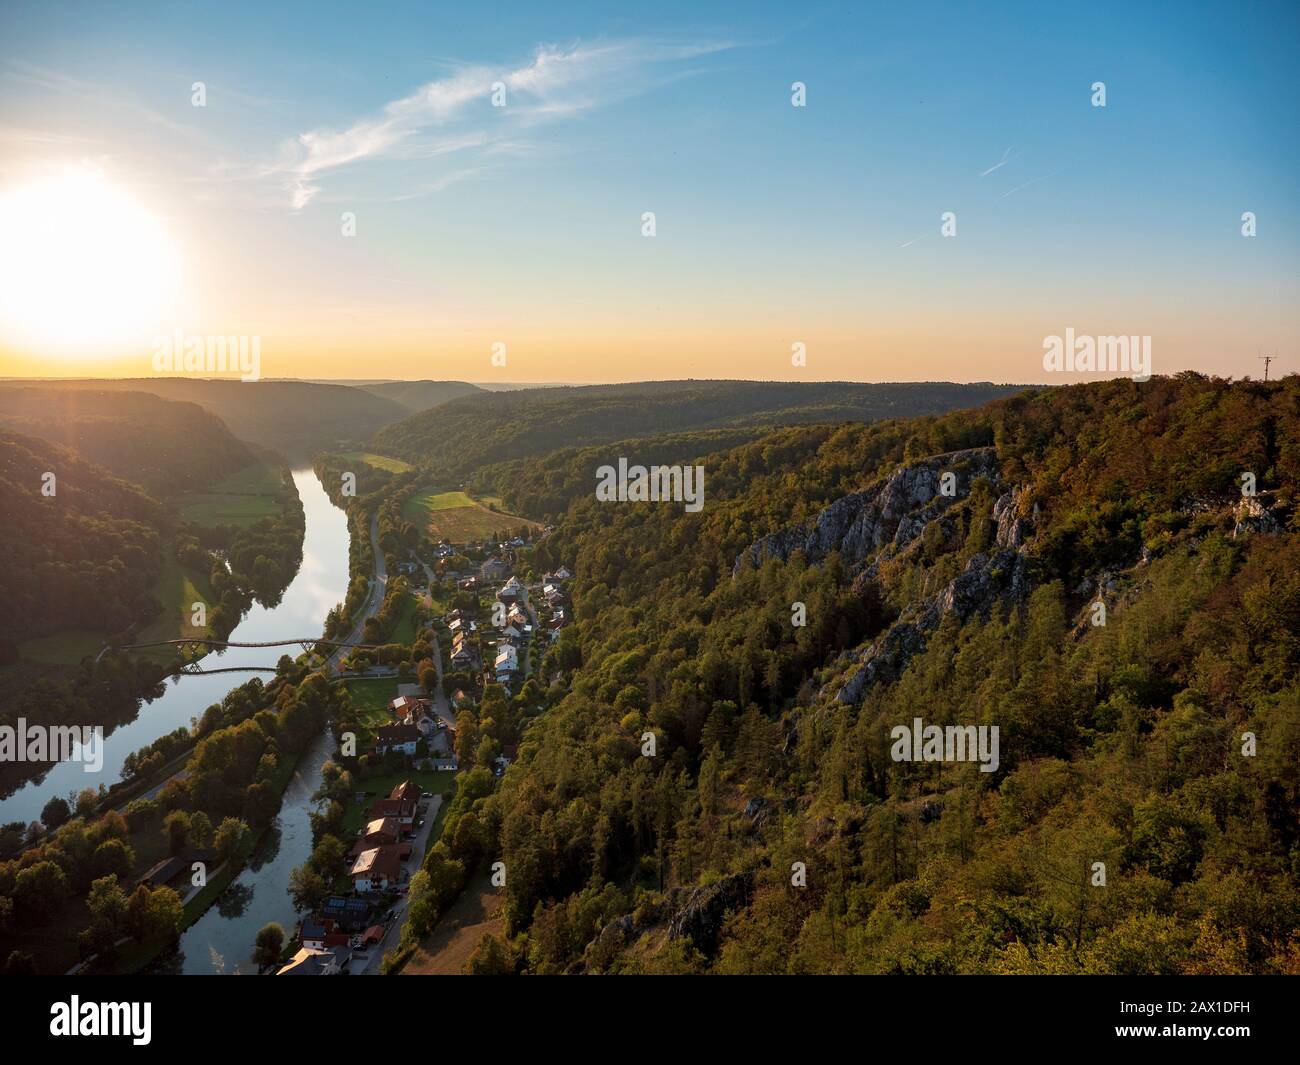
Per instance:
(85,555)
(459,437)
(161,445)
(543,486)
(772,831)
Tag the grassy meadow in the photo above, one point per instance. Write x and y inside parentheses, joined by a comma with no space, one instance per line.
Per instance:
(457,517)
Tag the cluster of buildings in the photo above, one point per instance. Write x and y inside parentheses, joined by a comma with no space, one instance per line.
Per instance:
(514,633)
(383,846)
(556,600)
(414,721)
(464,654)
(330,937)
(344,926)
(517,622)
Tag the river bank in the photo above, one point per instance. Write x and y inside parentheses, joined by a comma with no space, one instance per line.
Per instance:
(320,584)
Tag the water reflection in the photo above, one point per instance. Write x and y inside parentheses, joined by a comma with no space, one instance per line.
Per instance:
(232,902)
(321,583)
(268,848)
(221,941)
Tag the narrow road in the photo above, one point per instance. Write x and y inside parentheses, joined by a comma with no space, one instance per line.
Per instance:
(374,600)
(537,634)
(393,936)
(429,578)
(441,704)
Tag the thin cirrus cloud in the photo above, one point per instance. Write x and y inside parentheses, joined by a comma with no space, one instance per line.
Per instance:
(454,113)
(1006,158)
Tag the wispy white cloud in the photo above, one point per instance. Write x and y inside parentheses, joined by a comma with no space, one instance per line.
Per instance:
(1006,158)
(54,81)
(1025,185)
(455,113)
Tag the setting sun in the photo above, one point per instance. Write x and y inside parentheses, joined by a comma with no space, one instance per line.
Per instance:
(82,265)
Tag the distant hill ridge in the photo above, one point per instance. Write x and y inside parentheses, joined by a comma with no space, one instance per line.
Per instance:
(164,445)
(420,395)
(499,426)
(295,418)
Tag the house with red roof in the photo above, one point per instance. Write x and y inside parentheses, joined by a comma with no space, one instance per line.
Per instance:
(377,869)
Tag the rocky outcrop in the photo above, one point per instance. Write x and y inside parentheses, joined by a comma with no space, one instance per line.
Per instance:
(696,914)
(986,580)
(758,810)
(884,522)
(1254,515)
(896,511)
(884,660)
(1260,513)
(700,918)
(1013,529)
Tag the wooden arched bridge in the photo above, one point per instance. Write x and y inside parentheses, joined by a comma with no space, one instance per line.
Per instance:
(192,650)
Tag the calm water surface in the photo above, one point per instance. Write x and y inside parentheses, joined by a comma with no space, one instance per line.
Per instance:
(321,583)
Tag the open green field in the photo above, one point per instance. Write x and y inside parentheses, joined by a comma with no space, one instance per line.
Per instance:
(447,501)
(178,589)
(379,462)
(243,498)
(458,518)
(371,698)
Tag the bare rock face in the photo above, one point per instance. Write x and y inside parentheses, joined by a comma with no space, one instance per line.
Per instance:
(884,520)
(758,810)
(895,511)
(1013,530)
(885,660)
(987,579)
(700,918)
(1254,516)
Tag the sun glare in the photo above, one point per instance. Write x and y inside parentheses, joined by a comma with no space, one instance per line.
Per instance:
(83,268)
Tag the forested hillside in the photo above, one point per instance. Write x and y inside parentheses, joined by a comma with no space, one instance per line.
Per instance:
(420,395)
(85,556)
(544,485)
(462,435)
(1144,813)
(294,418)
(161,445)
(118,552)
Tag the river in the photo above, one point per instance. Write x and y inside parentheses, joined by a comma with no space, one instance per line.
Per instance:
(221,941)
(320,584)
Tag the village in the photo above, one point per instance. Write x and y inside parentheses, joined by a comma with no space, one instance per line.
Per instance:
(491,640)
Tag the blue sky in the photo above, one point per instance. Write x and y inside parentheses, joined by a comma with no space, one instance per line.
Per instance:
(774,223)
